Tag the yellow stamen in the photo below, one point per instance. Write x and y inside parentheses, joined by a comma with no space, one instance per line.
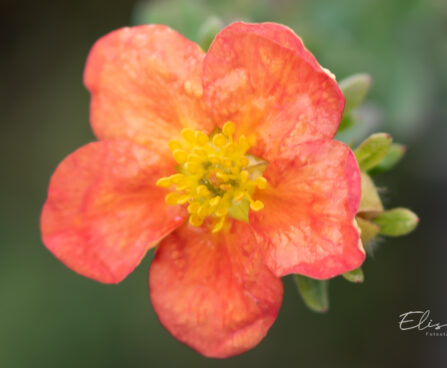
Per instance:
(214,177)
(202,191)
(193,207)
(172,198)
(188,135)
(261,182)
(195,220)
(228,128)
(219,140)
(219,225)
(163,182)
(180,156)
(256,205)
(174,145)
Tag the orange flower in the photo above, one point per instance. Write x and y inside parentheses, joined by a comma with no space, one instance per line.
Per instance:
(254,188)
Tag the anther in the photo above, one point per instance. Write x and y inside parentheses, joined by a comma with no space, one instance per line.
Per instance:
(188,135)
(219,140)
(172,198)
(244,176)
(202,190)
(261,182)
(228,128)
(163,182)
(180,156)
(192,167)
(256,205)
(219,225)
(201,138)
(174,145)
(244,161)
(221,211)
(214,201)
(238,195)
(195,220)
(183,199)
(203,211)
(193,207)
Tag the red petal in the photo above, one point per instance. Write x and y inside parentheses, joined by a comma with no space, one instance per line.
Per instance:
(145,84)
(104,211)
(310,204)
(262,78)
(213,292)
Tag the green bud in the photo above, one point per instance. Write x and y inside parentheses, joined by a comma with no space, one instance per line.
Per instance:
(355,88)
(372,150)
(313,292)
(354,275)
(368,230)
(397,222)
(394,155)
(208,31)
(370,203)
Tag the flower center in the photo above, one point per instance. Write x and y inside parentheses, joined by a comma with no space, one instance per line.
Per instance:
(215,176)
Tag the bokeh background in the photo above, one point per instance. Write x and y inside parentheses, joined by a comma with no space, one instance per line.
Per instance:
(51,317)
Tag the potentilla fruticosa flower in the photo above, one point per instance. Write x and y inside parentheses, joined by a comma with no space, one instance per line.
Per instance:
(224,162)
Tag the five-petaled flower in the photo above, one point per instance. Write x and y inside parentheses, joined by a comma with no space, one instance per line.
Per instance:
(225,162)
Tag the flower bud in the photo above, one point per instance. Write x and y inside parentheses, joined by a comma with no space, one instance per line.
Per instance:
(397,222)
(373,150)
(355,88)
(355,276)
(313,292)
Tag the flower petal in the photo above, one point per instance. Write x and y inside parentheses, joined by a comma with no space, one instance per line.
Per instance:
(104,211)
(213,292)
(145,84)
(307,224)
(261,77)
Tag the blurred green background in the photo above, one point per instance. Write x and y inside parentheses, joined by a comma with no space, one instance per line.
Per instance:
(51,317)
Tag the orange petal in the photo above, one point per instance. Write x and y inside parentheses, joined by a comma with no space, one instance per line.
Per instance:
(213,292)
(104,211)
(145,84)
(261,77)
(307,224)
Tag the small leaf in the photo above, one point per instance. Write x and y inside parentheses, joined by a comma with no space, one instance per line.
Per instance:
(208,31)
(239,210)
(313,292)
(370,203)
(368,230)
(394,155)
(347,122)
(354,275)
(355,88)
(397,222)
(372,150)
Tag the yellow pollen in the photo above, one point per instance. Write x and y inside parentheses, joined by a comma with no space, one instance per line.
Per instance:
(214,177)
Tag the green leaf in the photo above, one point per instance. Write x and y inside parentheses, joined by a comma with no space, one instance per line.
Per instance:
(208,31)
(394,155)
(347,122)
(370,203)
(354,275)
(355,88)
(368,230)
(372,150)
(313,292)
(397,222)
(239,210)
